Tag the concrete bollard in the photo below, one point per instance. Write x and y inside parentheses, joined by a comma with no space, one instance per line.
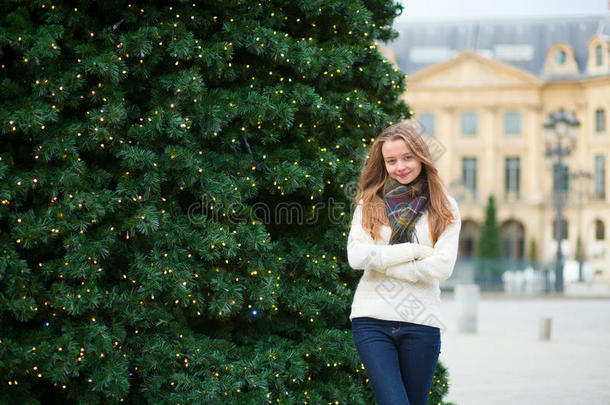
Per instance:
(545,329)
(467,298)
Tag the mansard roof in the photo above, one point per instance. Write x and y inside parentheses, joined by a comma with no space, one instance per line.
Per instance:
(522,43)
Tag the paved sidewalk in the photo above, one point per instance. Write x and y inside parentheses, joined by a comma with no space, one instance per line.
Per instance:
(505,363)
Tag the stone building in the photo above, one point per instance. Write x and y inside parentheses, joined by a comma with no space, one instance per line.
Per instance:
(483,91)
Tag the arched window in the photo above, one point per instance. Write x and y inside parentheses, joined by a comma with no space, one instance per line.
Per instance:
(600,233)
(560,57)
(512,235)
(469,235)
(599,55)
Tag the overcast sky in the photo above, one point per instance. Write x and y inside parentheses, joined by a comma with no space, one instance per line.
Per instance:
(429,10)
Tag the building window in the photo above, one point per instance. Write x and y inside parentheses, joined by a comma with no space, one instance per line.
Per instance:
(560,57)
(599,177)
(599,55)
(469,234)
(560,179)
(600,231)
(469,123)
(564,229)
(512,123)
(512,235)
(600,120)
(511,178)
(469,176)
(426,123)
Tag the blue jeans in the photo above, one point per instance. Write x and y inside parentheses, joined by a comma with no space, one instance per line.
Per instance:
(399,358)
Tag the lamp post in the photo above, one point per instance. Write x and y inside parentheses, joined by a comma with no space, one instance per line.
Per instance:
(560,136)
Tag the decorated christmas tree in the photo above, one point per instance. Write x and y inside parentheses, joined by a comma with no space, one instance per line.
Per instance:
(176,183)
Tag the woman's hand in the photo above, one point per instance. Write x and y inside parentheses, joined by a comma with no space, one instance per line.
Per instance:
(403,272)
(421,251)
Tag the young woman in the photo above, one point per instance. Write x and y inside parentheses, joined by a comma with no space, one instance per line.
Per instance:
(404,235)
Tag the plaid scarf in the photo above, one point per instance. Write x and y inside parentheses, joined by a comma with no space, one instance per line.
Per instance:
(405,204)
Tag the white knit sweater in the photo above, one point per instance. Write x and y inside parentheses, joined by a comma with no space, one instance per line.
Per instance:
(394,286)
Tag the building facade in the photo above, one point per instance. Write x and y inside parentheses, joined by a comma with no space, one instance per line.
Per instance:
(483,91)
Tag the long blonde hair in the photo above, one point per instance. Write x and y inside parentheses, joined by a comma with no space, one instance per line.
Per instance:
(374,175)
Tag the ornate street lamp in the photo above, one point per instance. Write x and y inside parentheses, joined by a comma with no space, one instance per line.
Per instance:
(560,136)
